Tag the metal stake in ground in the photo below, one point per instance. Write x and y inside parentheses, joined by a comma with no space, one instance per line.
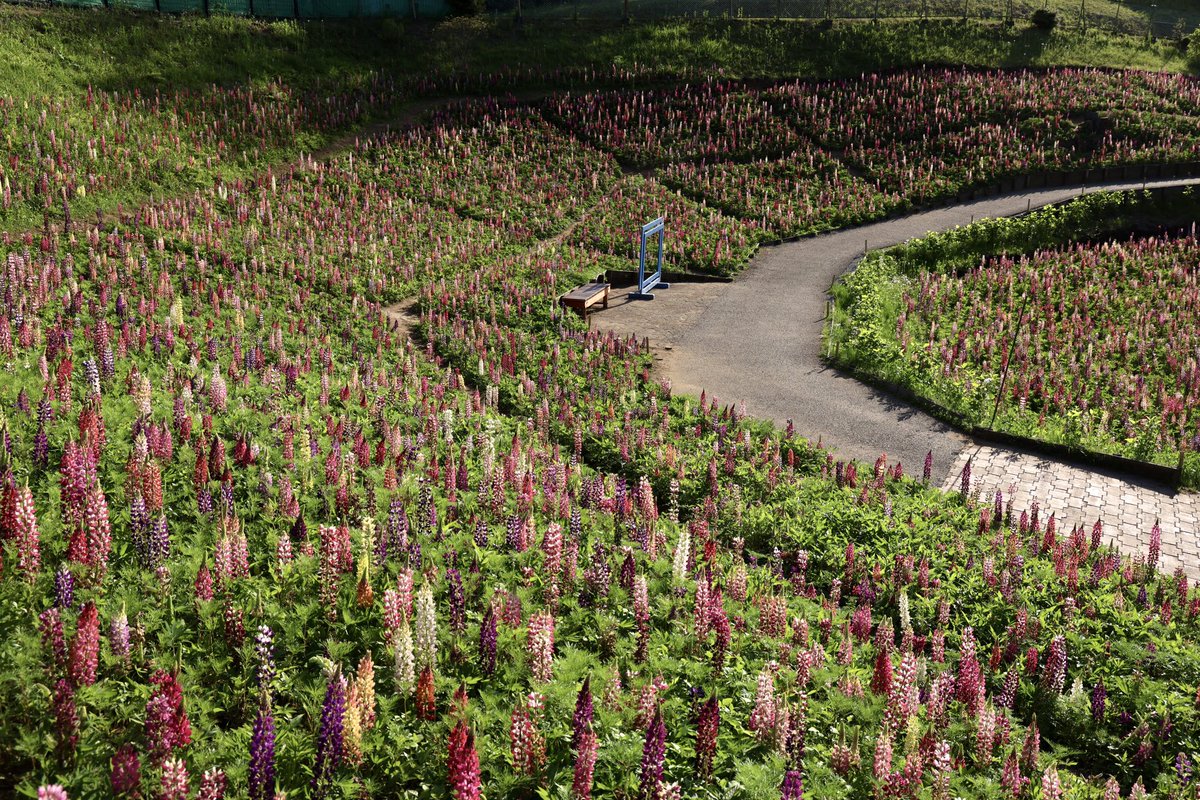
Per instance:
(645,284)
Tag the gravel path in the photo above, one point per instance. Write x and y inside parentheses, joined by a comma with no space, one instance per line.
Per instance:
(757,340)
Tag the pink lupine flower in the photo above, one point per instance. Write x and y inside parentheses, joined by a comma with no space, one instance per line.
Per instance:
(525,736)
(52,791)
(540,645)
(903,699)
(25,533)
(1051,785)
(174,780)
(883,755)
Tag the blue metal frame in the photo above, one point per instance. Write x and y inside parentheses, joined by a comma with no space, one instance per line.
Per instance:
(655,281)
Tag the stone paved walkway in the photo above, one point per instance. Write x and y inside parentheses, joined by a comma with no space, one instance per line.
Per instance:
(1127,508)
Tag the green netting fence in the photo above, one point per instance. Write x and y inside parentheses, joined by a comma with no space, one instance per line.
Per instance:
(1161,18)
(270,9)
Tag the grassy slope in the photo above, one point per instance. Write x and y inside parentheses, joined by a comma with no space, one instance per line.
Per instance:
(47,51)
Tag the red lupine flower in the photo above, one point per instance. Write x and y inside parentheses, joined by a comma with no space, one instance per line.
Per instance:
(85,648)
(126,771)
(426,699)
(706,736)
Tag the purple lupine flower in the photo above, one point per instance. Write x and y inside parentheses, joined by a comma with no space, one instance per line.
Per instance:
(584,712)
(64,588)
(487,642)
(41,447)
(654,754)
(1099,696)
(965,485)
(793,786)
(160,541)
(139,528)
(262,754)
(1183,767)
(458,601)
(329,738)
(928,472)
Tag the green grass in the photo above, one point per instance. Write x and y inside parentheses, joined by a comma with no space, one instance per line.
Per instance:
(49,51)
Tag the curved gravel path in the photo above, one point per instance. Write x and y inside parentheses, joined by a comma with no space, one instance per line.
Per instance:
(757,340)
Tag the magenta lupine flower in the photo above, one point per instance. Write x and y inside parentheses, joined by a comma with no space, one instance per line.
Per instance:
(965,480)
(126,771)
(707,727)
(463,764)
(1155,546)
(654,755)
(1011,778)
(53,791)
(329,737)
(1099,697)
(793,786)
(262,754)
(204,583)
(174,780)
(85,648)
(66,715)
(51,628)
(1054,673)
(1031,749)
(540,644)
(586,750)
(927,473)
(167,724)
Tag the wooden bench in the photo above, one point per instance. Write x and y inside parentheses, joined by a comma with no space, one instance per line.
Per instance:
(584,297)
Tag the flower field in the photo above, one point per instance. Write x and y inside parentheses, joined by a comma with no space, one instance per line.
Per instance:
(1092,341)
(257,544)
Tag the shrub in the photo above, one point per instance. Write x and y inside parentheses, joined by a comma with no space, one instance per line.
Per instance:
(1044,19)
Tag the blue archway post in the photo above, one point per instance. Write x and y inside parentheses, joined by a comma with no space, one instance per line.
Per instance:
(655,281)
